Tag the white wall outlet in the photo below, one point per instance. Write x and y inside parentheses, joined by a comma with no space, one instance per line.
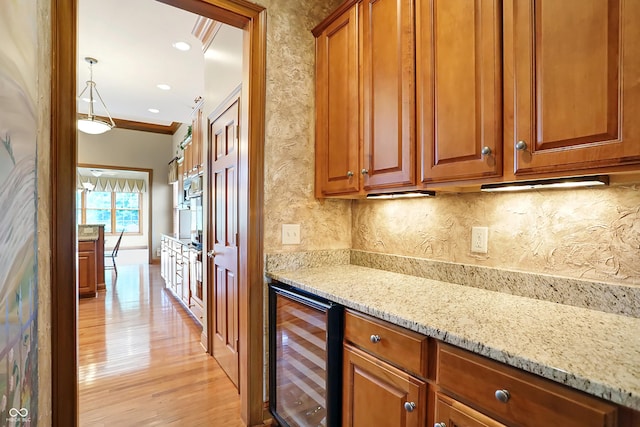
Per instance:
(290,234)
(479,239)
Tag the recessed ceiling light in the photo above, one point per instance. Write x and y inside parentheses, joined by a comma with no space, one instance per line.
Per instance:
(163,86)
(154,110)
(183,46)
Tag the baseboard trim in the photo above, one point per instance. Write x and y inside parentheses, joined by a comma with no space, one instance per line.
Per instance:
(204,340)
(266,415)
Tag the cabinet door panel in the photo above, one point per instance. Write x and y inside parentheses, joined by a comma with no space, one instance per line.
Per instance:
(459,85)
(86,272)
(387,49)
(374,393)
(454,414)
(337,123)
(574,73)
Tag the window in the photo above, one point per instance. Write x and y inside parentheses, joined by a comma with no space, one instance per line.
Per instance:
(116,210)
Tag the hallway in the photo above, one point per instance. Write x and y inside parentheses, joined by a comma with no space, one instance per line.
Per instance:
(141,362)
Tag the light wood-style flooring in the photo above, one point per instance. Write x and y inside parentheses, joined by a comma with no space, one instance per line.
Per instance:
(141,362)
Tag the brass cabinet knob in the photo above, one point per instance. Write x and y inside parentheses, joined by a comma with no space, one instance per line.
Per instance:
(521,145)
(502,395)
(349,174)
(364,171)
(439,425)
(409,406)
(486,151)
(375,339)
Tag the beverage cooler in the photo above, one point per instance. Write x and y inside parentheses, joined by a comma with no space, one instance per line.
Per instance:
(305,358)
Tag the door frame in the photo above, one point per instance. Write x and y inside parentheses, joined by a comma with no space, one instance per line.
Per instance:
(64,359)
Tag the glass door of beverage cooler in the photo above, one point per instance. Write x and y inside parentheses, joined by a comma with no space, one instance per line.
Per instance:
(305,359)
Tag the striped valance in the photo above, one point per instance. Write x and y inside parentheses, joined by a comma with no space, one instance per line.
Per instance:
(111,184)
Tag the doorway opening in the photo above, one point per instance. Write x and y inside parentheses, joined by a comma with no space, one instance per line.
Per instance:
(241,14)
(121,199)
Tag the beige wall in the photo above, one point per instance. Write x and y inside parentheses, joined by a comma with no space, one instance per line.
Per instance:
(127,148)
(590,233)
(289,133)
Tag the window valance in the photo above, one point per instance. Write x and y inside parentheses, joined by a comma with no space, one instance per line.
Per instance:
(112,184)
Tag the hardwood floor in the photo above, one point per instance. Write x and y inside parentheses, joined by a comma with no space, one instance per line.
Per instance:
(141,363)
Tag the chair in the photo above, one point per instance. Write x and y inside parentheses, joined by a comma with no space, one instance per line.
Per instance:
(113,256)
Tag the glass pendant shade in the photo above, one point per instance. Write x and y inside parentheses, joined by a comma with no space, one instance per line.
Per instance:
(93,126)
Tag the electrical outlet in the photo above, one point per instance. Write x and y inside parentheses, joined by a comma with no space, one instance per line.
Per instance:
(290,234)
(479,239)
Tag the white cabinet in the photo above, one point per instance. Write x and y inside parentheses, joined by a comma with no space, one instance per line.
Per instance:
(181,269)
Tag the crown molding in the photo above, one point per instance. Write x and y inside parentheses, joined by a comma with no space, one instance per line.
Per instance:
(205,30)
(145,127)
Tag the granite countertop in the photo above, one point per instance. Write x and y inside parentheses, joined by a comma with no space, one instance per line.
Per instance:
(88,232)
(589,350)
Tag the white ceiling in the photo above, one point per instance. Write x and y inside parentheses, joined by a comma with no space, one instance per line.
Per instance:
(132,41)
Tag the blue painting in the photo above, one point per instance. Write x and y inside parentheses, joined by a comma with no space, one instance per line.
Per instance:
(18,241)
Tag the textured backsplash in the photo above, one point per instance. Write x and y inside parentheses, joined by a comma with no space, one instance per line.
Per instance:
(589,233)
(289,134)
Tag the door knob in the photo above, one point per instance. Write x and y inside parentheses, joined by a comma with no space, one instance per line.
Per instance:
(212,254)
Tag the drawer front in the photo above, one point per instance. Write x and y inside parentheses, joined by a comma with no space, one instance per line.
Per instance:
(529,400)
(404,348)
(86,246)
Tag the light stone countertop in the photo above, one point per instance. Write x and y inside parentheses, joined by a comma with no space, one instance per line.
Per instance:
(592,351)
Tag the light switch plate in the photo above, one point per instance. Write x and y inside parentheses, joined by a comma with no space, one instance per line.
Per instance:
(290,234)
(479,239)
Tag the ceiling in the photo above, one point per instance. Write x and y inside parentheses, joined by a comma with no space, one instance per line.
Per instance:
(133,43)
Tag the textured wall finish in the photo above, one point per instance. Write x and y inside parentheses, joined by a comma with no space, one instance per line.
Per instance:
(18,198)
(590,233)
(289,133)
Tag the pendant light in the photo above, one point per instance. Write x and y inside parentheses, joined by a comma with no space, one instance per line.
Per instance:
(92,124)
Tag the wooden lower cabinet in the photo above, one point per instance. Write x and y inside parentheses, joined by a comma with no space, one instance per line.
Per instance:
(451,413)
(87,273)
(514,396)
(385,385)
(378,394)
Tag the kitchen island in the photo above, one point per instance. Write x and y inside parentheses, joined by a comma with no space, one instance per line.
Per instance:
(588,350)
(90,263)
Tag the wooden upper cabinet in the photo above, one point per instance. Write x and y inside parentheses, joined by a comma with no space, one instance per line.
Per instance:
(571,80)
(194,155)
(388,93)
(337,126)
(459,89)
